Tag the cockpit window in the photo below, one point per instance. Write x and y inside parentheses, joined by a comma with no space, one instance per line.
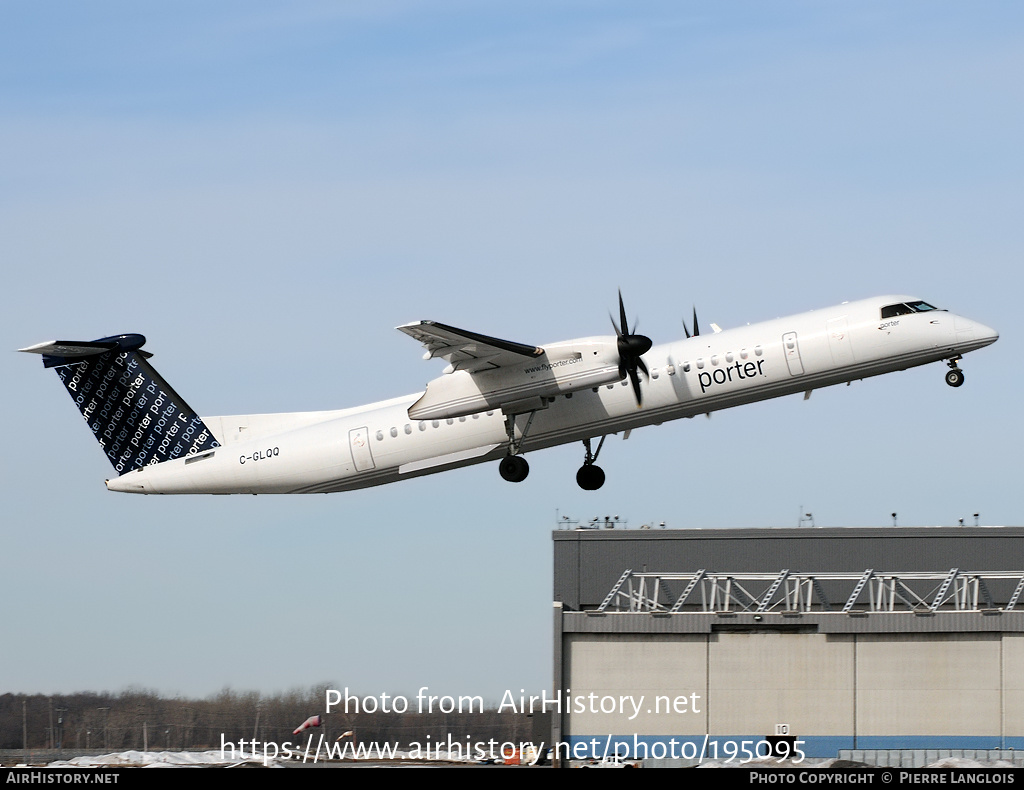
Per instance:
(891,310)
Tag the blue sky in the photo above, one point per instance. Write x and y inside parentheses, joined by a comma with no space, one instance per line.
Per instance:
(266,189)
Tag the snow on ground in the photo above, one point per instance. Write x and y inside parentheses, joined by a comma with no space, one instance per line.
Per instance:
(210,759)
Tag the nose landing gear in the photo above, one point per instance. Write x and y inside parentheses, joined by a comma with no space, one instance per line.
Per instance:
(955,376)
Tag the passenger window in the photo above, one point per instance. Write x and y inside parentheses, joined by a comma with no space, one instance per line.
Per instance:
(408,429)
(394,433)
(380,436)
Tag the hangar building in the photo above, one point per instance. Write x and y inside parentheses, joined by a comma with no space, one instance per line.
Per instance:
(724,642)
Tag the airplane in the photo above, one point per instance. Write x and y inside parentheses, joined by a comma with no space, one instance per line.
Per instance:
(495,401)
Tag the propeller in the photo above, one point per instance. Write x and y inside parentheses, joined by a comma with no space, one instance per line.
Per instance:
(696,329)
(631,347)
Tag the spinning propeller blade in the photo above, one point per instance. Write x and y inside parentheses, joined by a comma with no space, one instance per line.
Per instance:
(696,329)
(631,347)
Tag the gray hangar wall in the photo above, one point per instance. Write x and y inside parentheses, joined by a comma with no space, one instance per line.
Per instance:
(824,639)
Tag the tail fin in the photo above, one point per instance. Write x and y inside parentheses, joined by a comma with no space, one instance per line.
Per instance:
(136,416)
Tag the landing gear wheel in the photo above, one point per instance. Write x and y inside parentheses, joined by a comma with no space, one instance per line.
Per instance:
(514,468)
(590,477)
(955,377)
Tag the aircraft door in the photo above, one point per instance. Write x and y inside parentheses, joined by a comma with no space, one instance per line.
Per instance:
(359,443)
(839,341)
(789,345)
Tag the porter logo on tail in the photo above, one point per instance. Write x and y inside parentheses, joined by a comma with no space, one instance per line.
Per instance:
(136,415)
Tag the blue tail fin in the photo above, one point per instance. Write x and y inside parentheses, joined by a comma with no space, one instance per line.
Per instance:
(136,416)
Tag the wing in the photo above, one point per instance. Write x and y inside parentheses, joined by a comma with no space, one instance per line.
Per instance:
(467,350)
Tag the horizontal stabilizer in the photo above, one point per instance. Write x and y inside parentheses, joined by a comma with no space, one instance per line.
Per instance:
(67,352)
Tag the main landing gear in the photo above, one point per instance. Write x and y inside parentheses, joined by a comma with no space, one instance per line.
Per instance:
(955,376)
(513,467)
(590,477)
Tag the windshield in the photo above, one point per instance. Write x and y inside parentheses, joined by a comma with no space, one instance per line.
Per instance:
(906,308)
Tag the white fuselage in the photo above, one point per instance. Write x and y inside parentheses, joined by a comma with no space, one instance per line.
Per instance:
(371,445)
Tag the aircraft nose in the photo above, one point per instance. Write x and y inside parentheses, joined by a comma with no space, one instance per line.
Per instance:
(985,334)
(972,334)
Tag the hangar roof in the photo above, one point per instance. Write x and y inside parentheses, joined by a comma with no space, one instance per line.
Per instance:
(587,563)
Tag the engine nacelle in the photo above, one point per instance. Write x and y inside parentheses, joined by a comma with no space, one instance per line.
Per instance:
(564,367)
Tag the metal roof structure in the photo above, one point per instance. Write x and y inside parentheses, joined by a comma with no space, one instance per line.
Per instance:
(801,592)
(824,566)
